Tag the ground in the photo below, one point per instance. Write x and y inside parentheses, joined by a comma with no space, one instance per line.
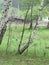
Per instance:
(36,54)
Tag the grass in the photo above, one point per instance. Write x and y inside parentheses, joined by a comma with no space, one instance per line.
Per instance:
(35,53)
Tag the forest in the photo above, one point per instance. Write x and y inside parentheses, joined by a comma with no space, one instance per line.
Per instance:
(24,32)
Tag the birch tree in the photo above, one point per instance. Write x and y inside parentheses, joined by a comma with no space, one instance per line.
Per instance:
(4,19)
(32,35)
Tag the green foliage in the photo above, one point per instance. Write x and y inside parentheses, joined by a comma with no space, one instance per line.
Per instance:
(35,12)
(0,15)
(44,12)
(36,6)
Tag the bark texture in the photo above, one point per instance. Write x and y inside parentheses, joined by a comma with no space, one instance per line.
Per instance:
(4,19)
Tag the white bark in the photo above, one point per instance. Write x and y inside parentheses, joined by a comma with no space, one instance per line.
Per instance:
(7,4)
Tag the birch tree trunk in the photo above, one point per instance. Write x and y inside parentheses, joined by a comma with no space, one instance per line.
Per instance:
(4,19)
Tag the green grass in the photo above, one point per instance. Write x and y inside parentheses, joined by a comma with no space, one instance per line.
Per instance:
(35,51)
(0,15)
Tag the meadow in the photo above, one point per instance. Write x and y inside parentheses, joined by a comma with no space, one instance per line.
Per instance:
(36,54)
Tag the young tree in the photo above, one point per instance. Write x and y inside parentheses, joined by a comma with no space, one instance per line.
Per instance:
(23,30)
(31,37)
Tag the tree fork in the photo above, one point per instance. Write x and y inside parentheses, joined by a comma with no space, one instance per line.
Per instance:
(23,29)
(35,31)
